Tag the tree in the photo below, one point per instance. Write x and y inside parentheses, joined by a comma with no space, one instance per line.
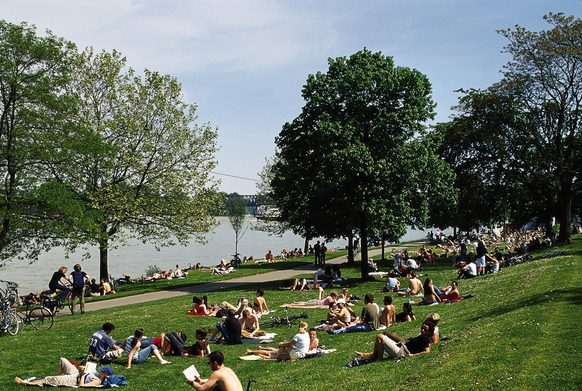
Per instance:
(141,168)
(34,109)
(236,212)
(545,74)
(349,162)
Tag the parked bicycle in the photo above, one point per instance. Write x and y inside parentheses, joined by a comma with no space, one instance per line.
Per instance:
(54,303)
(10,322)
(37,316)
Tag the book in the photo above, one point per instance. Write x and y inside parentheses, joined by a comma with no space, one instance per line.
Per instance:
(191,373)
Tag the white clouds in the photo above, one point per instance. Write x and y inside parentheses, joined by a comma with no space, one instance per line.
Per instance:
(183,36)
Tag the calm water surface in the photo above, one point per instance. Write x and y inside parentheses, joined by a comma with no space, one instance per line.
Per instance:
(134,258)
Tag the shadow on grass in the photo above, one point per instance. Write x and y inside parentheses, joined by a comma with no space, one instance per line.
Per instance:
(571,295)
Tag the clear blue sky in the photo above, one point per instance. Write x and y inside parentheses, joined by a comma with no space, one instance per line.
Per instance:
(244,62)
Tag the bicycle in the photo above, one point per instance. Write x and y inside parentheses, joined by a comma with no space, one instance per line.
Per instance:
(286,320)
(10,321)
(54,303)
(38,316)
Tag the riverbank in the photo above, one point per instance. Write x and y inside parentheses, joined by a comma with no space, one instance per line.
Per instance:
(516,333)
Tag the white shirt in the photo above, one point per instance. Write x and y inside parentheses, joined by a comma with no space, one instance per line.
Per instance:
(301,342)
(471,268)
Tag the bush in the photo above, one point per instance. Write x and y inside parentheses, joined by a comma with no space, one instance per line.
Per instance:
(151,270)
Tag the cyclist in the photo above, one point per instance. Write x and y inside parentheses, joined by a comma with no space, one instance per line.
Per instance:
(56,283)
(79,279)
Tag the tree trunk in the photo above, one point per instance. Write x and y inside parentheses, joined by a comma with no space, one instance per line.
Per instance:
(364,253)
(350,249)
(103,261)
(565,209)
(306,245)
(549,218)
(383,247)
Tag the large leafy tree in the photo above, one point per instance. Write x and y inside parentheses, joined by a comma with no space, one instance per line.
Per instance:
(350,162)
(141,167)
(34,109)
(545,75)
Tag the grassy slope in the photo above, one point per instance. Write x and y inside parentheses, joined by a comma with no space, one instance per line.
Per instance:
(520,332)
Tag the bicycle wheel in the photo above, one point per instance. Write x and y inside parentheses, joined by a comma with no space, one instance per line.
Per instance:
(40,318)
(13,323)
(71,305)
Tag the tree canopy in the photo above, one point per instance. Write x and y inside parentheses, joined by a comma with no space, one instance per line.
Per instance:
(352,160)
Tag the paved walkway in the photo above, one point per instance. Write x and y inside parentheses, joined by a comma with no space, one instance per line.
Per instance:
(276,275)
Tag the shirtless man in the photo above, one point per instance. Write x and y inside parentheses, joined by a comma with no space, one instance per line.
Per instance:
(414,286)
(222,378)
(249,324)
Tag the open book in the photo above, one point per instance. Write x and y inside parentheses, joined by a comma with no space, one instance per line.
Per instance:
(191,373)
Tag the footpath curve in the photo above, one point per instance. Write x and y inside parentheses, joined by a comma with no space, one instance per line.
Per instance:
(276,275)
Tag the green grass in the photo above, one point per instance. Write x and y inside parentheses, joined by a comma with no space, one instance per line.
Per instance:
(521,332)
(197,277)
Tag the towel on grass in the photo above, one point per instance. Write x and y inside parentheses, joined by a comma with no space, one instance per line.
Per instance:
(267,338)
(304,305)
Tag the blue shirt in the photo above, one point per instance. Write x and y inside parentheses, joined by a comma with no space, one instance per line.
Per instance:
(99,344)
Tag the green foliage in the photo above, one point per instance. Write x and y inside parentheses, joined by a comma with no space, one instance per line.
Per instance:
(349,162)
(151,270)
(34,106)
(141,167)
(236,211)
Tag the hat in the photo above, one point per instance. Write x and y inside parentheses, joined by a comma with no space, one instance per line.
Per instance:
(341,301)
(106,370)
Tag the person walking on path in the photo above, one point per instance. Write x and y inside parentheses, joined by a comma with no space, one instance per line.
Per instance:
(79,279)
(316,250)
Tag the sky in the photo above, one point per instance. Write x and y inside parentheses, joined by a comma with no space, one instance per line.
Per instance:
(243,63)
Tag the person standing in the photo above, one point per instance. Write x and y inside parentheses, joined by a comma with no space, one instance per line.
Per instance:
(322,252)
(222,377)
(79,279)
(316,250)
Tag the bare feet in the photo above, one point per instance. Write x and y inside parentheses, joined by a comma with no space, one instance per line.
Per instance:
(18,380)
(164,362)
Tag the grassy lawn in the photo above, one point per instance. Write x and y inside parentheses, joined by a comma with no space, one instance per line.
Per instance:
(521,332)
(196,277)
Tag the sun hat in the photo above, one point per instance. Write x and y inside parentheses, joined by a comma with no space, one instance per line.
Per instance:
(106,370)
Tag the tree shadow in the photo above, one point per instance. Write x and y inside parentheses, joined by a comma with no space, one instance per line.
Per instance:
(571,295)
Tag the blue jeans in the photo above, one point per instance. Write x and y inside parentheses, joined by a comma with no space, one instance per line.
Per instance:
(143,354)
(354,329)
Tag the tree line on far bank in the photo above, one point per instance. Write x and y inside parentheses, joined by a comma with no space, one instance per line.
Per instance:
(358,160)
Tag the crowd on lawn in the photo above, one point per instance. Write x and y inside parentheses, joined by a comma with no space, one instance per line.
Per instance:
(242,321)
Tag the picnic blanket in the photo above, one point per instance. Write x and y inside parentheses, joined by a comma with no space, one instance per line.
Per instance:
(267,338)
(310,354)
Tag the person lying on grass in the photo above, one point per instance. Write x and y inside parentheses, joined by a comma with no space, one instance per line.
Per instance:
(137,355)
(392,346)
(321,300)
(68,376)
(222,377)
(288,350)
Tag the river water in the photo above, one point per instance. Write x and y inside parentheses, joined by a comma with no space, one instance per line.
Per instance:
(134,258)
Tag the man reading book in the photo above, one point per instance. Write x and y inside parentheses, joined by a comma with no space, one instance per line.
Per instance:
(221,379)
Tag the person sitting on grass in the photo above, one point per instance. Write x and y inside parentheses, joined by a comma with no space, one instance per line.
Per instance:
(260,304)
(451,293)
(392,283)
(468,271)
(313,340)
(369,318)
(288,350)
(392,346)
(249,324)
(388,314)
(68,376)
(199,308)
(201,347)
(406,315)
(414,286)
(229,329)
(431,293)
(338,316)
(221,379)
(101,345)
(137,355)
